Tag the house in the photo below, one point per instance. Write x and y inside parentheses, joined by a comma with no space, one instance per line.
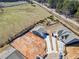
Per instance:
(67,43)
(30,45)
(37,44)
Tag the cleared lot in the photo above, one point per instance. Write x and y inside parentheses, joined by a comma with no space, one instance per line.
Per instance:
(14,19)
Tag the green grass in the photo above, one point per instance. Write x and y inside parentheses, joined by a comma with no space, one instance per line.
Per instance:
(16,18)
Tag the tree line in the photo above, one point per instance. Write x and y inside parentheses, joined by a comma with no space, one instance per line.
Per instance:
(70,8)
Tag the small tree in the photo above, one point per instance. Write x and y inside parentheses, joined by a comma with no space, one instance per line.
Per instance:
(52,3)
(70,7)
(59,6)
(77,13)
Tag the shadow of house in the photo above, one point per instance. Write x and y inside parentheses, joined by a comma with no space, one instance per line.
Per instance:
(74,42)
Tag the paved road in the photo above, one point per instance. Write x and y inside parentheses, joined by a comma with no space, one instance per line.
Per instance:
(11,4)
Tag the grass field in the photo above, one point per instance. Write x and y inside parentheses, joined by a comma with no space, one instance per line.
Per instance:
(16,18)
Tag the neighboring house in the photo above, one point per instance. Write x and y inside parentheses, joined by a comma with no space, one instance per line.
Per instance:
(70,46)
(30,45)
(68,37)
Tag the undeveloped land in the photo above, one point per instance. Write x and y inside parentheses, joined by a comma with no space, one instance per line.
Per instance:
(14,19)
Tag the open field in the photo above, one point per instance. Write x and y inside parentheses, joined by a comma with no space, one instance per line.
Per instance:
(14,19)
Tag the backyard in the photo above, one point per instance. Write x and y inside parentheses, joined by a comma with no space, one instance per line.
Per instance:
(16,18)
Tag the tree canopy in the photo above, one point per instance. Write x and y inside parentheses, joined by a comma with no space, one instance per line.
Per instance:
(67,7)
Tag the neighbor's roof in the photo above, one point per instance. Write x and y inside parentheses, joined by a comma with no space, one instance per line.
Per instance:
(30,45)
